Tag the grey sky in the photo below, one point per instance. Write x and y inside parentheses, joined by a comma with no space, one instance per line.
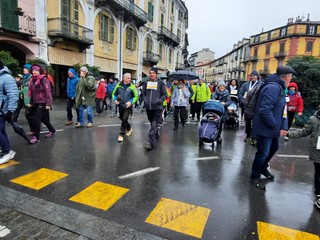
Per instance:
(217,25)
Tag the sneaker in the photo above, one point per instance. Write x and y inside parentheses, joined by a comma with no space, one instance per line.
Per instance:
(317,201)
(89,125)
(50,134)
(256,182)
(69,122)
(286,138)
(247,139)
(148,146)
(120,138)
(6,157)
(78,125)
(34,140)
(268,174)
(129,133)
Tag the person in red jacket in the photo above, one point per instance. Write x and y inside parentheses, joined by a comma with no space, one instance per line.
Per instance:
(295,104)
(100,95)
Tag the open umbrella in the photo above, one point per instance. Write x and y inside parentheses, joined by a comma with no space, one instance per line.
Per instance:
(183,74)
(19,130)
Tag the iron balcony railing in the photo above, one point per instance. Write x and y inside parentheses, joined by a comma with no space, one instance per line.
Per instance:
(151,57)
(167,33)
(17,22)
(280,54)
(126,5)
(64,28)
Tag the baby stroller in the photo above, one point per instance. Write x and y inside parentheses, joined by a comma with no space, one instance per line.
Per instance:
(210,123)
(232,120)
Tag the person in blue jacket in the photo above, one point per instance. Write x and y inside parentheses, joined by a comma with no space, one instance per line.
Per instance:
(269,122)
(9,95)
(71,93)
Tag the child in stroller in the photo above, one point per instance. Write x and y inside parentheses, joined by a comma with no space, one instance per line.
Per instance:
(211,123)
(232,120)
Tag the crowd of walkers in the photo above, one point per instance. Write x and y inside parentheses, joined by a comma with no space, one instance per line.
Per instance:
(276,105)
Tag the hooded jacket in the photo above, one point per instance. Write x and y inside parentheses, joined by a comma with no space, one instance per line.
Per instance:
(125,93)
(85,91)
(312,128)
(269,118)
(71,86)
(9,92)
(40,91)
(296,102)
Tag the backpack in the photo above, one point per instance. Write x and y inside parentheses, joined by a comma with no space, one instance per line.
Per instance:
(252,99)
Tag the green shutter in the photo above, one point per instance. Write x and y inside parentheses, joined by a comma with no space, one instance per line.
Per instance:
(101,26)
(135,40)
(111,29)
(8,18)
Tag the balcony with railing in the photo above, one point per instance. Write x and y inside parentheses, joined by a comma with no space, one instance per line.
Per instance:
(281,54)
(129,9)
(149,57)
(17,21)
(62,28)
(167,36)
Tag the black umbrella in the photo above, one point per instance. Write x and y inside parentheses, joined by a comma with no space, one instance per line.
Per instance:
(183,74)
(19,130)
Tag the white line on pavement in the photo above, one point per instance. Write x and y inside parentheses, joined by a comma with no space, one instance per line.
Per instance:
(4,231)
(58,130)
(139,173)
(293,156)
(109,125)
(206,158)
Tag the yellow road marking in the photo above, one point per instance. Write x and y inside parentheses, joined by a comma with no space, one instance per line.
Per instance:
(8,164)
(178,216)
(100,195)
(39,179)
(268,231)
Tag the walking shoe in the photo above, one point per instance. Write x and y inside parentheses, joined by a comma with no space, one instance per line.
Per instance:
(253,142)
(34,140)
(78,125)
(7,156)
(129,133)
(50,134)
(120,138)
(89,125)
(256,182)
(247,139)
(69,122)
(148,146)
(286,138)
(317,201)
(268,174)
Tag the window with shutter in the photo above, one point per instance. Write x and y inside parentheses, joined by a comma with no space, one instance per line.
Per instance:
(9,20)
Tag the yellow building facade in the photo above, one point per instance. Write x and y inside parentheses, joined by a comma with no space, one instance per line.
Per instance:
(275,47)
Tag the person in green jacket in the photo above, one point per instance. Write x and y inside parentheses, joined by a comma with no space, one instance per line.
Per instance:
(85,97)
(24,90)
(201,95)
(125,95)
(312,128)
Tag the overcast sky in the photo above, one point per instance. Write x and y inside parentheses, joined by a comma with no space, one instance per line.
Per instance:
(218,24)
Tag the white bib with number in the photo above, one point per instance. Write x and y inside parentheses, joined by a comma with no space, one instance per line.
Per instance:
(152,85)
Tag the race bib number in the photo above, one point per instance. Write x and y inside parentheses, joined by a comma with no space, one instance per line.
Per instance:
(234,92)
(152,85)
(318,143)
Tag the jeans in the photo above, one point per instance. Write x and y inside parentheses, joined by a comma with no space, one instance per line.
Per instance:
(81,114)
(266,148)
(4,141)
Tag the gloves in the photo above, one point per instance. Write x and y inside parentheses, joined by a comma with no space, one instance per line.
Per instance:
(8,116)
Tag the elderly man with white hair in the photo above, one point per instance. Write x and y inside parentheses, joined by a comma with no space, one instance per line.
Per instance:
(125,95)
(85,97)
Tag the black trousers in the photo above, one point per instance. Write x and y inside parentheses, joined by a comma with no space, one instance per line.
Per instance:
(70,104)
(290,118)
(182,112)
(192,108)
(39,113)
(124,114)
(248,126)
(98,105)
(317,178)
(154,117)
(199,107)
(17,111)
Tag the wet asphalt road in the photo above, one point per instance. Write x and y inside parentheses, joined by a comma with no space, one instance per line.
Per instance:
(213,179)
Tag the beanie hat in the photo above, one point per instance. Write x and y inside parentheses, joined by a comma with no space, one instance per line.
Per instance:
(72,71)
(220,82)
(84,69)
(1,64)
(154,69)
(27,66)
(254,73)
